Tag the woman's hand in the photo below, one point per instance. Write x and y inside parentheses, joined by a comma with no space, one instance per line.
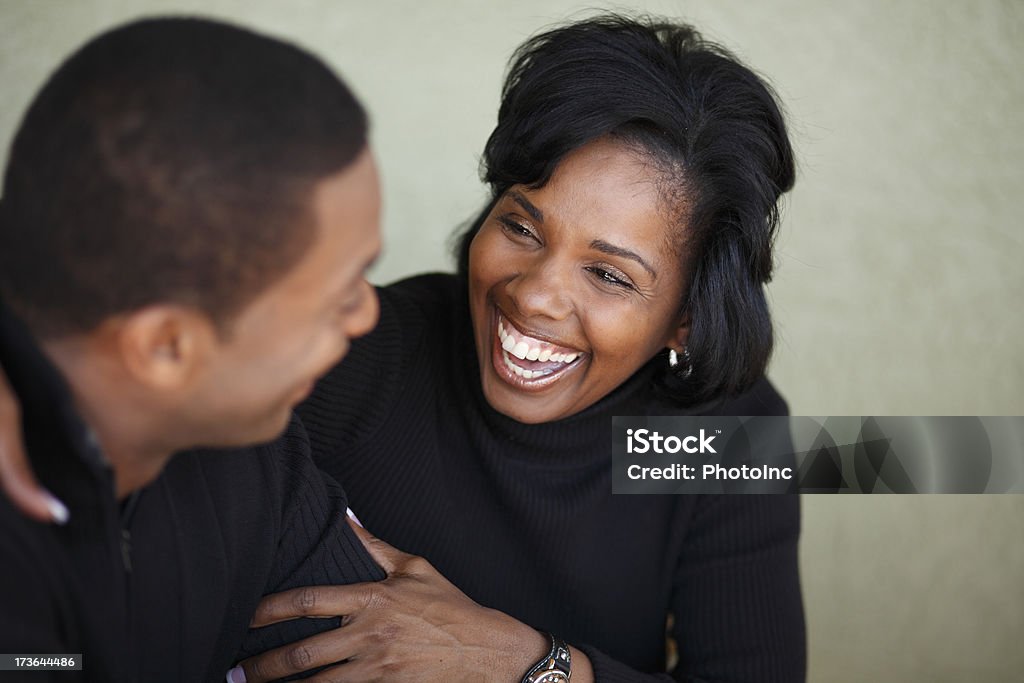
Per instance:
(413,626)
(16,476)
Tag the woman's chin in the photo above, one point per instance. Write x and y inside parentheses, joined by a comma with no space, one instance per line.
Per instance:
(524,402)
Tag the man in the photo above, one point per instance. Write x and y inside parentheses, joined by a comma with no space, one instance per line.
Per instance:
(187,216)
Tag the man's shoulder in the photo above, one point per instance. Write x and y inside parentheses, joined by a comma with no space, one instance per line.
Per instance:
(251,480)
(31,554)
(60,594)
(226,526)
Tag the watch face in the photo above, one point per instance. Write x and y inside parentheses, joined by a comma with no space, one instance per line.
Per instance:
(551,677)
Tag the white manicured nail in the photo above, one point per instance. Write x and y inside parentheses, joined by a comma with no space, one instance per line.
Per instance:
(58,510)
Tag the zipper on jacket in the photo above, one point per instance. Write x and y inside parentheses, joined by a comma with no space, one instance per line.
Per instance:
(127,512)
(126,549)
(133,666)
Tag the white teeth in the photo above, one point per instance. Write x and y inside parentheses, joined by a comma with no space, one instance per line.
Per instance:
(520,350)
(515,368)
(525,374)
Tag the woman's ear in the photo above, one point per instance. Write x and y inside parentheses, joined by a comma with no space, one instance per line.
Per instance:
(679,335)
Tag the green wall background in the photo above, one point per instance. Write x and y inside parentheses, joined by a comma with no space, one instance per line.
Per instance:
(899,281)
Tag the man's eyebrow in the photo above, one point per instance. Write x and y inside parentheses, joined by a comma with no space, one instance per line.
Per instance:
(613,250)
(535,213)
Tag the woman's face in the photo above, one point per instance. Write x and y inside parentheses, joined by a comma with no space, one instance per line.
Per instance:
(574,286)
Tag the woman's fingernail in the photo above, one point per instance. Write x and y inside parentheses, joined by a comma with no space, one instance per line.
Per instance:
(352,516)
(236,675)
(58,510)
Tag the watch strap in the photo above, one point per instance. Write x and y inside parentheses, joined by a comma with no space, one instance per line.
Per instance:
(555,667)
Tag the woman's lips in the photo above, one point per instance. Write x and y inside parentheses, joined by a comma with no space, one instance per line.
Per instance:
(527,362)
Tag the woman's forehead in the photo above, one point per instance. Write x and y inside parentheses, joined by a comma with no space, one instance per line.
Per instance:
(606,189)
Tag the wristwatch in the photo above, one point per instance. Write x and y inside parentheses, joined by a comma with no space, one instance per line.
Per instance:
(556,667)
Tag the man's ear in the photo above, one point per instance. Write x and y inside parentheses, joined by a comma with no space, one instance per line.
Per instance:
(166,346)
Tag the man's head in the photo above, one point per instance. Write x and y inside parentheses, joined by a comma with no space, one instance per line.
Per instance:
(195,206)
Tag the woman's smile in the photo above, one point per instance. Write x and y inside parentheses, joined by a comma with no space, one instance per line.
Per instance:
(527,361)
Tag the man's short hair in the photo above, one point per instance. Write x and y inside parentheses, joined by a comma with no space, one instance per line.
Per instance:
(168,160)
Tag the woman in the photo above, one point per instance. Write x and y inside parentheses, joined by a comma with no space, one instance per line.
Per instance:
(634,172)
(618,269)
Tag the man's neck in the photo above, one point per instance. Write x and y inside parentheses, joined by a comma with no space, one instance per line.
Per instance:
(125,425)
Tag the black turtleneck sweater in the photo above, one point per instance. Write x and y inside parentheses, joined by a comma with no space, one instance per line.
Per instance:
(522,518)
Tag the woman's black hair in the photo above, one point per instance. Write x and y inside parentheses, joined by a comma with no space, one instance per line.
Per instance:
(717,135)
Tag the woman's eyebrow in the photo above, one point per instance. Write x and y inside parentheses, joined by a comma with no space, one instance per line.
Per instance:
(535,213)
(613,250)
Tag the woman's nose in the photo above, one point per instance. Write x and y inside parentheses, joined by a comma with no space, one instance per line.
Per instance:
(543,289)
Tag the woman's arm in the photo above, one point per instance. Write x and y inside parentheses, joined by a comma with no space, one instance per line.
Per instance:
(413,626)
(16,475)
(737,607)
(737,601)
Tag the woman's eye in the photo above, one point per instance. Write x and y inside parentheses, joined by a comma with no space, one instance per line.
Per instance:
(610,278)
(515,228)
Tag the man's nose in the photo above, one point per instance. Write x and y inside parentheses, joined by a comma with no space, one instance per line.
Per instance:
(365,317)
